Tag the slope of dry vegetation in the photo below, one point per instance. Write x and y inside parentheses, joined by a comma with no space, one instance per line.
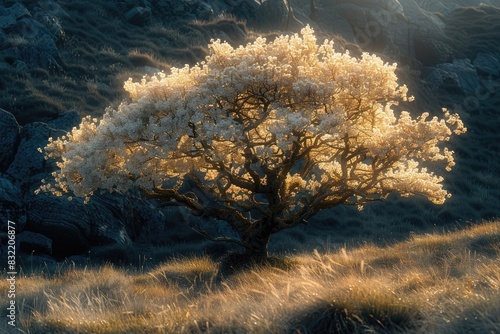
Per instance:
(441,282)
(98,51)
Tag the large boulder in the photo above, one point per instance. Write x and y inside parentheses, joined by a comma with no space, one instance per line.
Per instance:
(11,206)
(436,78)
(430,51)
(29,163)
(32,37)
(31,242)
(9,15)
(277,15)
(109,218)
(487,64)
(9,138)
(40,49)
(66,121)
(7,21)
(49,17)
(465,72)
(74,226)
(65,222)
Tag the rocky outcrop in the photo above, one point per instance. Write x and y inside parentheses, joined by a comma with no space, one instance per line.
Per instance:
(475,79)
(30,37)
(29,163)
(74,226)
(9,16)
(277,15)
(487,64)
(9,139)
(53,225)
(465,73)
(30,242)
(65,121)
(11,205)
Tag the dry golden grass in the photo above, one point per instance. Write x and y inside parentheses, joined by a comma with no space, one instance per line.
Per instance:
(433,283)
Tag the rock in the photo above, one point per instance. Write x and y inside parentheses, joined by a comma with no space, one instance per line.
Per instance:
(31,242)
(244,9)
(18,11)
(354,14)
(228,30)
(11,206)
(466,73)
(52,8)
(430,51)
(474,29)
(74,226)
(38,47)
(4,40)
(49,21)
(29,162)
(65,121)
(9,16)
(334,22)
(487,64)
(9,139)
(276,15)
(147,221)
(203,11)
(7,21)
(109,216)
(439,78)
(38,264)
(64,222)
(29,29)
(138,16)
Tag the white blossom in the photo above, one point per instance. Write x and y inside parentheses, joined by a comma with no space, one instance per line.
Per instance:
(244,115)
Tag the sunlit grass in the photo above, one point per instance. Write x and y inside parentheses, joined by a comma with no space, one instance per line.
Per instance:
(432,283)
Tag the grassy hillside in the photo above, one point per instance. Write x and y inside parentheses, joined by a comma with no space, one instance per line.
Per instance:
(98,51)
(386,269)
(434,283)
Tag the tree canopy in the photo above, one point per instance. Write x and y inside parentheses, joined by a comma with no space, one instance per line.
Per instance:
(262,136)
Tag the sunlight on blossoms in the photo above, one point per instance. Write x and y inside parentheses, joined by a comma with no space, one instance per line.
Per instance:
(283,129)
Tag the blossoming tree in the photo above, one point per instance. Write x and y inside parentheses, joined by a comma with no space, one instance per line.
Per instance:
(266,135)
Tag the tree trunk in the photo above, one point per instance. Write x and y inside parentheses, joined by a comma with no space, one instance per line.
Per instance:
(256,241)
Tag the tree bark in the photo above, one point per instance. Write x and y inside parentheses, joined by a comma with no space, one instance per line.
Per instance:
(256,240)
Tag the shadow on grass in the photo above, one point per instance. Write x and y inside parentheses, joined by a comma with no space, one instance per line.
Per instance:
(372,314)
(234,263)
